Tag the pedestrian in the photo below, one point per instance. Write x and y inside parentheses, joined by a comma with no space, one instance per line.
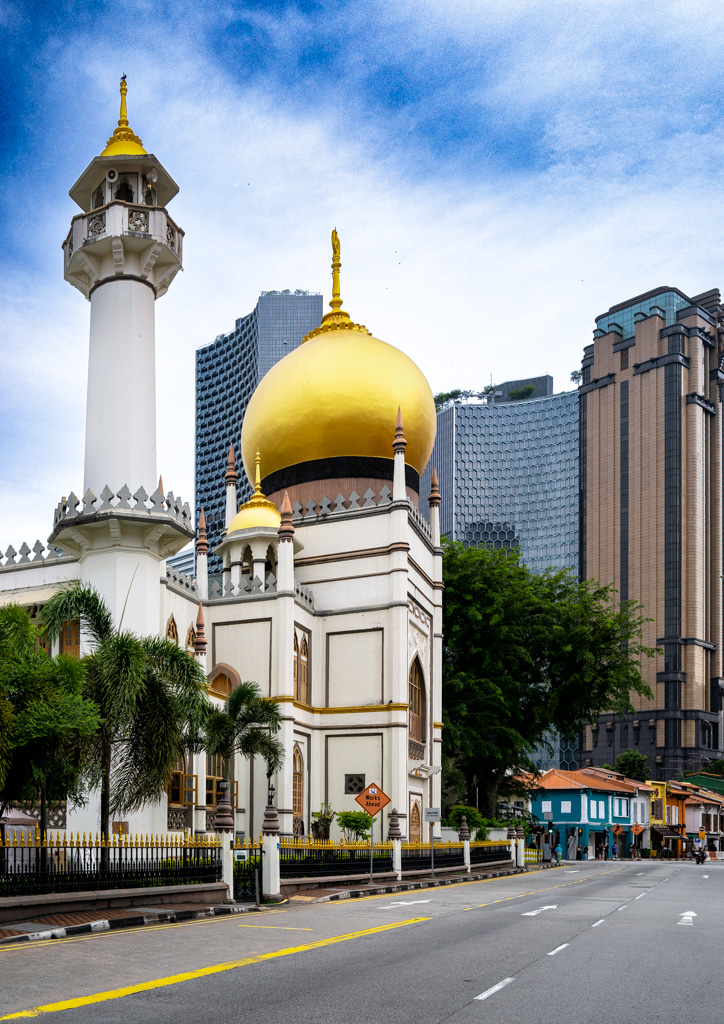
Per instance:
(615,851)
(559,853)
(585,853)
(579,852)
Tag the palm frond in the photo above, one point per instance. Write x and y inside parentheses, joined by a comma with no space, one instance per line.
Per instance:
(18,636)
(77,600)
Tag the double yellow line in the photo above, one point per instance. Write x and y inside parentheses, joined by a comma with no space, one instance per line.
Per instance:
(203,972)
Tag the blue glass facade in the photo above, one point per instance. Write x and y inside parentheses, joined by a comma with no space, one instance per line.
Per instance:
(227,373)
(508,475)
(667,299)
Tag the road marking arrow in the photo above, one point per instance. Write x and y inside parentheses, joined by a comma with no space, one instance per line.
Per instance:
(403,903)
(687,917)
(533,913)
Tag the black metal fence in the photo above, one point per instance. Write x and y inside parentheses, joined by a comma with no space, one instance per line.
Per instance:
(309,858)
(247,871)
(417,856)
(29,866)
(482,853)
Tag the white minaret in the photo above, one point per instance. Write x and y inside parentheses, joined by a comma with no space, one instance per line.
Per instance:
(122,252)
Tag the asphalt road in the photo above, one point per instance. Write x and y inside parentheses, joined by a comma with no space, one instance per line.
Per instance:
(589,942)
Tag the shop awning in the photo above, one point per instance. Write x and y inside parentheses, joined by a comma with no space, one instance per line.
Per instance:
(667,833)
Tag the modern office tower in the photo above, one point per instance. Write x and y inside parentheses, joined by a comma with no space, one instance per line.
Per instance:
(227,373)
(651,514)
(508,474)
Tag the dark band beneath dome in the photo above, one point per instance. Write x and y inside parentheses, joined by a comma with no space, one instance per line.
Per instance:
(345,466)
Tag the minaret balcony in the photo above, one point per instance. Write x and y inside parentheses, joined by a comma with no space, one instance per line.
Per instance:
(123,240)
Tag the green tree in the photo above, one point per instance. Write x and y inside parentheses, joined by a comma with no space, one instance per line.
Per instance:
(634,765)
(150,695)
(355,825)
(51,723)
(518,394)
(525,653)
(245,726)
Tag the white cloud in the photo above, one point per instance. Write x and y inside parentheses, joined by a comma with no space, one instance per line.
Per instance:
(471,271)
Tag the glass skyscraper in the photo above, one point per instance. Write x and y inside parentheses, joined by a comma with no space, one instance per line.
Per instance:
(227,373)
(508,474)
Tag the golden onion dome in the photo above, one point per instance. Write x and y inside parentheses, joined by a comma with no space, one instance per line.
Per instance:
(337,395)
(123,142)
(258,511)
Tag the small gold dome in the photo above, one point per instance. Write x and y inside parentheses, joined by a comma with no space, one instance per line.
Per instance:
(337,395)
(258,511)
(124,142)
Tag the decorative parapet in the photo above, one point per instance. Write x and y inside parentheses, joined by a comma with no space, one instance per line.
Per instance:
(180,581)
(68,509)
(304,594)
(16,559)
(354,503)
(221,590)
(326,509)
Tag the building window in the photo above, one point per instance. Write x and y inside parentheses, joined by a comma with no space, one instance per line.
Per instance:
(172,630)
(354,784)
(220,686)
(70,638)
(191,639)
(417,703)
(415,828)
(181,788)
(214,774)
(303,686)
(624,359)
(298,792)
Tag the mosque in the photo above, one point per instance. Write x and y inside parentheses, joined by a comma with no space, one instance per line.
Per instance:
(331,593)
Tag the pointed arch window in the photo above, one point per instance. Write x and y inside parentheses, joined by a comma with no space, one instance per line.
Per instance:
(303,693)
(415,825)
(172,630)
(417,703)
(191,639)
(298,792)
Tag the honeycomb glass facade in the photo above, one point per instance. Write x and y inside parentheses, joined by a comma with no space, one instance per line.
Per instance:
(227,373)
(508,475)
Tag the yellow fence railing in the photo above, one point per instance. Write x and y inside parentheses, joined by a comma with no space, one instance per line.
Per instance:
(18,839)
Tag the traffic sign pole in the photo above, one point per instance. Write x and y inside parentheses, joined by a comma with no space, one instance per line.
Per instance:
(372,800)
(432,851)
(372,847)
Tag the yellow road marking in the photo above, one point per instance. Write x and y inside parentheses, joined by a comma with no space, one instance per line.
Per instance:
(277,927)
(202,972)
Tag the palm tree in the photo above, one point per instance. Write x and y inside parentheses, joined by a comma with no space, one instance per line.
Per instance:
(18,639)
(244,726)
(149,692)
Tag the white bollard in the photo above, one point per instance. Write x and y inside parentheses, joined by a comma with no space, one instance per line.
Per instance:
(227,865)
(466,854)
(270,866)
(397,858)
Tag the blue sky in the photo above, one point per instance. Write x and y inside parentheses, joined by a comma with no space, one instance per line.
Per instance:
(499,175)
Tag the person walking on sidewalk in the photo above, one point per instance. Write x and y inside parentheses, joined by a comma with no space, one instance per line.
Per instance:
(559,853)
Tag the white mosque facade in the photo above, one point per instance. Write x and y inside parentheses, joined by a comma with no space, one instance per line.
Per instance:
(331,595)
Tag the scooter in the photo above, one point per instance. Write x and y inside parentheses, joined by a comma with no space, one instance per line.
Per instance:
(700,856)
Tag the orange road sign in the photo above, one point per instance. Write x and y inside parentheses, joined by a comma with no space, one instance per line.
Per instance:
(372,799)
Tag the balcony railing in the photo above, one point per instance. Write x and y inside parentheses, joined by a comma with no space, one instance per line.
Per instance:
(118,218)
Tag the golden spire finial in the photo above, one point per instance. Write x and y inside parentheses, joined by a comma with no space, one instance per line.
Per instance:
(337,318)
(123,118)
(257,480)
(123,142)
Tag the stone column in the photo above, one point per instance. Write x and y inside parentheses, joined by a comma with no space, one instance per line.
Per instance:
(202,561)
(465,837)
(521,848)
(231,476)
(271,877)
(395,836)
(224,828)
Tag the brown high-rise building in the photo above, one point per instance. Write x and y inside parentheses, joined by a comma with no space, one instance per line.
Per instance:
(651,514)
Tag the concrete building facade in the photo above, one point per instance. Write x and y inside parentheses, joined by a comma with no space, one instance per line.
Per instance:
(651,514)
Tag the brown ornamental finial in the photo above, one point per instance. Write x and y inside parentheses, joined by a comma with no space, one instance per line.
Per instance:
(434,496)
(202,544)
(200,642)
(400,442)
(160,484)
(231,476)
(286,530)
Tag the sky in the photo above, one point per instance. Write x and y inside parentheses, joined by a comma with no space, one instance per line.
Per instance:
(499,175)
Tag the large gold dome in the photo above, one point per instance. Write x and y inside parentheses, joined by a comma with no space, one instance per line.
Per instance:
(338,395)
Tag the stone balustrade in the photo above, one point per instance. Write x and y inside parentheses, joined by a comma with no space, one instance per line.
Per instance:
(156,504)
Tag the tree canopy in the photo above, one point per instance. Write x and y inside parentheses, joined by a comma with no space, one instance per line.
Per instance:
(244,726)
(634,765)
(524,653)
(150,695)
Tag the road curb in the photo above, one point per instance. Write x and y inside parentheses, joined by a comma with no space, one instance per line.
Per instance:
(131,921)
(430,883)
